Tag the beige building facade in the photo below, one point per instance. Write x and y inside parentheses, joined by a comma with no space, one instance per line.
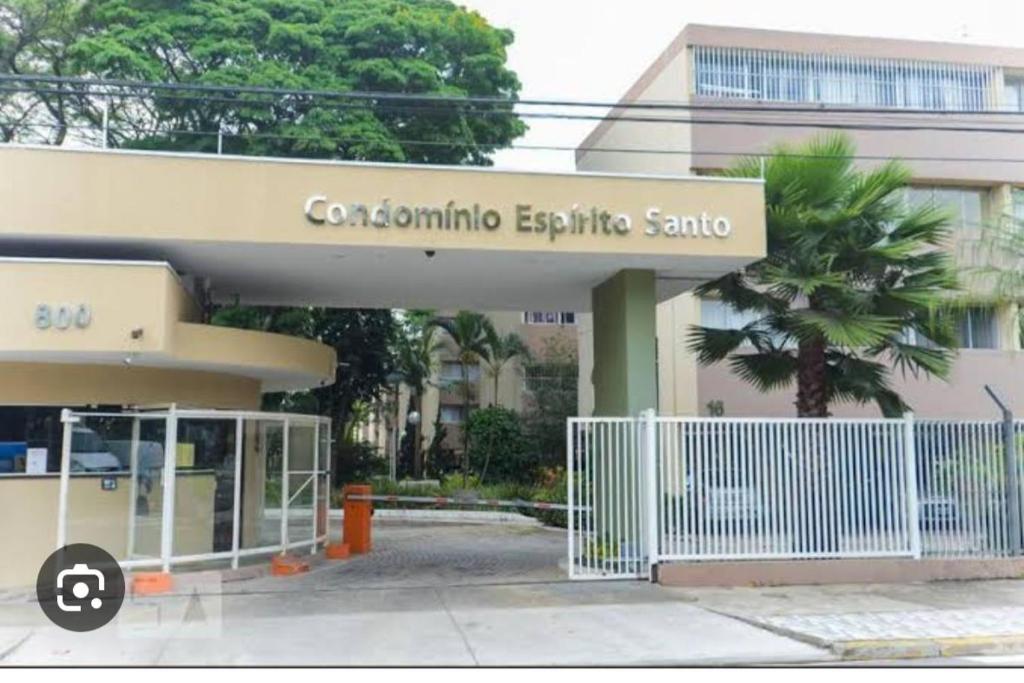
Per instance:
(743,91)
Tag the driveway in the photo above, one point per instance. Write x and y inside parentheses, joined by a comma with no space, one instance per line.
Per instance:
(433,594)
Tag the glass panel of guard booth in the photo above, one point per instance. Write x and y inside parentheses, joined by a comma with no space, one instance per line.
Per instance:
(115,487)
(204,486)
(302,483)
(262,468)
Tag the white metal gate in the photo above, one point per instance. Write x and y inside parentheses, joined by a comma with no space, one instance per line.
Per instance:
(786,489)
(611,480)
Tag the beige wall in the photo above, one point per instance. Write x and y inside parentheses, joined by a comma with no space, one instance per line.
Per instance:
(62,384)
(258,201)
(141,344)
(28,508)
(664,82)
(962,397)
(677,365)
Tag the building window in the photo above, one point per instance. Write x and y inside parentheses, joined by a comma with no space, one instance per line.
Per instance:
(451,372)
(840,79)
(1018,204)
(977,328)
(721,316)
(964,203)
(549,318)
(453,415)
(1014,93)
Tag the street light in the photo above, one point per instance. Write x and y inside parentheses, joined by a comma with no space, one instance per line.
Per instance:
(394,380)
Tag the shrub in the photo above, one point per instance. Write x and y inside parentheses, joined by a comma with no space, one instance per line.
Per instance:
(554,491)
(499,448)
(359,463)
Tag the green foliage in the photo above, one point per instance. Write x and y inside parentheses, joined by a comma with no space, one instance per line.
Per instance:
(500,350)
(850,271)
(362,339)
(468,332)
(441,460)
(416,349)
(552,381)
(553,490)
(500,450)
(35,36)
(408,47)
(358,463)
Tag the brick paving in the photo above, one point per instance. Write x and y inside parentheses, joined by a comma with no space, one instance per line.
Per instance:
(955,623)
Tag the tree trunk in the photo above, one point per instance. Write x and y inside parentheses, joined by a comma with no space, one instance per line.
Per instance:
(811,394)
(465,423)
(812,402)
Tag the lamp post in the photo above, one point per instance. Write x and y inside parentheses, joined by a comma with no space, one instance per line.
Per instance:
(394,381)
(413,420)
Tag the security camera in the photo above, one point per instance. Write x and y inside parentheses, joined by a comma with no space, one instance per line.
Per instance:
(430,253)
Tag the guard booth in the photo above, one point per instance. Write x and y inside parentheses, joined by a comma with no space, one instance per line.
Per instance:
(197,487)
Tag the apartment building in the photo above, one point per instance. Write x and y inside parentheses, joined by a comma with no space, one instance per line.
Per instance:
(761,87)
(541,331)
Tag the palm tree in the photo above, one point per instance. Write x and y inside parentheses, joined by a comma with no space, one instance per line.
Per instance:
(416,359)
(500,351)
(850,287)
(468,331)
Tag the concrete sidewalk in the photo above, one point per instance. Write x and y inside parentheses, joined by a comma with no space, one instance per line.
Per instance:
(492,595)
(884,621)
(524,624)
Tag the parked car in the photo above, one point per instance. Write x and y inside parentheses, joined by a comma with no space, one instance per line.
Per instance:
(90,453)
(938,511)
(722,499)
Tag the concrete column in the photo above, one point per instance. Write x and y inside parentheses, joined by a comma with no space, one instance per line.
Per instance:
(625,369)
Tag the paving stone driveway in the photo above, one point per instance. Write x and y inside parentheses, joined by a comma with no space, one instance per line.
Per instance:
(443,554)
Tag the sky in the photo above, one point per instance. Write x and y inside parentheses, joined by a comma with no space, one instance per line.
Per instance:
(593,50)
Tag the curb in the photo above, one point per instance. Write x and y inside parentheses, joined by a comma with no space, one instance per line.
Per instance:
(917,648)
(897,648)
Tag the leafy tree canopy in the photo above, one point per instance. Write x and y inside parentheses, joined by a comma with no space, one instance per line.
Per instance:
(396,46)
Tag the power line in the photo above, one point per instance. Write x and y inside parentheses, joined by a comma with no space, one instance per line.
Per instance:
(515,146)
(434,109)
(777,106)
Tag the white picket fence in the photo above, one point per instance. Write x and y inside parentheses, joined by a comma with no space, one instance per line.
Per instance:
(652,489)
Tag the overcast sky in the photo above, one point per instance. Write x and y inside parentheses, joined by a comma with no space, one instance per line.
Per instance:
(595,49)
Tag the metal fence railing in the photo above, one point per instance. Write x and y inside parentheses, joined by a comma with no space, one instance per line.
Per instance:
(649,489)
(773,489)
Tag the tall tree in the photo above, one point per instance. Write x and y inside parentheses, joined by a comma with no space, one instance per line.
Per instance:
(406,47)
(362,339)
(35,38)
(500,350)
(468,332)
(416,356)
(851,285)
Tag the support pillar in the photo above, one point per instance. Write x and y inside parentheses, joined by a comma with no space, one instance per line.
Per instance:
(625,368)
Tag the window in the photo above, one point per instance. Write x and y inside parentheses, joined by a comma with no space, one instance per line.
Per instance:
(840,79)
(549,318)
(452,415)
(451,371)
(719,315)
(1014,93)
(964,203)
(977,328)
(1018,203)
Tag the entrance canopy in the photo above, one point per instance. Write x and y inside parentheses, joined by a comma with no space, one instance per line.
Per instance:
(294,232)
